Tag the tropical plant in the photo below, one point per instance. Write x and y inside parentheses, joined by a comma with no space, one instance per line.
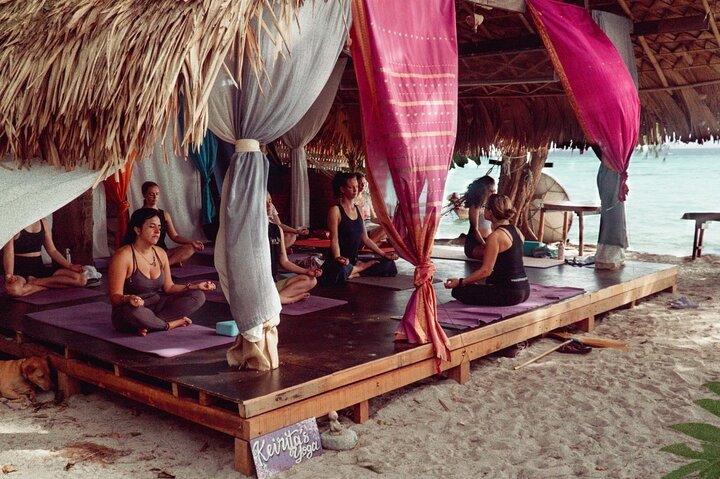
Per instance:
(706,463)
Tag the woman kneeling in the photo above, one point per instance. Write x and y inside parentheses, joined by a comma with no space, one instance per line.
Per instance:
(142,293)
(347,233)
(506,283)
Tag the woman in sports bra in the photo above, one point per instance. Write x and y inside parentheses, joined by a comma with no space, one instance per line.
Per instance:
(506,283)
(142,292)
(25,272)
(475,200)
(347,234)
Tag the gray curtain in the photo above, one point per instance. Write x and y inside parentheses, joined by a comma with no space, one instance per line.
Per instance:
(299,136)
(612,239)
(257,113)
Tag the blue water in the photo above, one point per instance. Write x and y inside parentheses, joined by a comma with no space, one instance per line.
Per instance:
(663,186)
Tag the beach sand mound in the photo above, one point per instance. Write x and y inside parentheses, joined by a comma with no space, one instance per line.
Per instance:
(601,415)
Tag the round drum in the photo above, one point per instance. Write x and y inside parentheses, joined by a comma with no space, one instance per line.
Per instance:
(548,189)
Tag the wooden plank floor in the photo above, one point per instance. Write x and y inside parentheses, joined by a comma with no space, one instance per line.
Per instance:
(329,360)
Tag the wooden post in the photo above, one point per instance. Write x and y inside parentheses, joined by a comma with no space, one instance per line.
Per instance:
(580,226)
(541,227)
(587,324)
(460,373)
(695,240)
(361,412)
(243,458)
(67,385)
(73,228)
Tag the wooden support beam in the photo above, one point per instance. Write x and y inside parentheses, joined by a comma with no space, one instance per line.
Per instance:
(509,5)
(587,324)
(73,228)
(529,43)
(243,458)
(711,18)
(205,399)
(361,412)
(461,372)
(67,385)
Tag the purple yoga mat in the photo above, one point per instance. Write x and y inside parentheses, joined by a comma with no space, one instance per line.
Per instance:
(207,251)
(396,283)
(456,315)
(93,319)
(190,270)
(102,263)
(54,296)
(310,305)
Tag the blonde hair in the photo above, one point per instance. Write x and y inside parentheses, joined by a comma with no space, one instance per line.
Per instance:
(501,207)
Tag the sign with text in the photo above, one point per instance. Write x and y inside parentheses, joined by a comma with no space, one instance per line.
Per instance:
(282,449)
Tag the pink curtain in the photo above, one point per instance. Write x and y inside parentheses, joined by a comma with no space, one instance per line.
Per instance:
(406,63)
(116,190)
(600,87)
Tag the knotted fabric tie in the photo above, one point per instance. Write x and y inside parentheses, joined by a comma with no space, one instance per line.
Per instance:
(424,273)
(246,146)
(124,205)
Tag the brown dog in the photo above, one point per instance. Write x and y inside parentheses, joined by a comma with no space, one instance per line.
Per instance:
(18,377)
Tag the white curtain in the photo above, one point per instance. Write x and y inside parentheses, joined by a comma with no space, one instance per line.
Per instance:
(100,236)
(257,114)
(299,136)
(27,195)
(179,183)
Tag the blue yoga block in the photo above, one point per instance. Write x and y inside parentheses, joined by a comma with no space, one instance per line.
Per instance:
(529,246)
(227,328)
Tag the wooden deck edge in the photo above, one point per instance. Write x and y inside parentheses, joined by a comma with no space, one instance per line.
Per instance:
(208,416)
(257,406)
(370,387)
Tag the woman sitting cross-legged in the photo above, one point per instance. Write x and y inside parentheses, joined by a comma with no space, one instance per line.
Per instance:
(506,283)
(25,272)
(347,234)
(297,287)
(142,293)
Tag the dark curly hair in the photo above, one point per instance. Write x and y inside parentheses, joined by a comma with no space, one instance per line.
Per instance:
(339,180)
(478,191)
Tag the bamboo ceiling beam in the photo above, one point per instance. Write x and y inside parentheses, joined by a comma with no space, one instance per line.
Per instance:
(713,23)
(646,48)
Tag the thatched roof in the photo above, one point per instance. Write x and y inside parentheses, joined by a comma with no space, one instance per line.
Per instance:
(98,81)
(510,96)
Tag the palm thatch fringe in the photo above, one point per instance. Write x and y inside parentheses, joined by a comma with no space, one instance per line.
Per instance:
(96,81)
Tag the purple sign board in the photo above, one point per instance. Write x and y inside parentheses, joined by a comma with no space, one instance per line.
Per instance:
(282,449)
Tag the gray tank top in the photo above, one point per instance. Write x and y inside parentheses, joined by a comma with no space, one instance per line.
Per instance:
(139,284)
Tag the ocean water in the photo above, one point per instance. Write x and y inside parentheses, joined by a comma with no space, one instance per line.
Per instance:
(663,186)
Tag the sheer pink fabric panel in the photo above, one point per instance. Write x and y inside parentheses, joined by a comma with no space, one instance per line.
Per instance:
(600,87)
(406,64)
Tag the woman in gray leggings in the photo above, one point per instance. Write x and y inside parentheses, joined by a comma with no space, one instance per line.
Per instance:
(142,293)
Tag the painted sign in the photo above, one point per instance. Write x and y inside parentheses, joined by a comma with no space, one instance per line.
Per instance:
(282,449)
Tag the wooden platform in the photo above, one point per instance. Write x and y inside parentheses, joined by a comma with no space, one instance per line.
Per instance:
(330,360)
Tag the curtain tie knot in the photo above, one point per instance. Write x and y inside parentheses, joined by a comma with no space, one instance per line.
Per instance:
(124,205)
(424,273)
(245,145)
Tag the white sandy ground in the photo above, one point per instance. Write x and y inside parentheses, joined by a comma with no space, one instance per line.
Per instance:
(604,415)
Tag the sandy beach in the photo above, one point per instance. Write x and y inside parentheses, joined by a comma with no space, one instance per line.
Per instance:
(603,415)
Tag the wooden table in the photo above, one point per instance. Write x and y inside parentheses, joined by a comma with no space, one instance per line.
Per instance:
(567,207)
(702,221)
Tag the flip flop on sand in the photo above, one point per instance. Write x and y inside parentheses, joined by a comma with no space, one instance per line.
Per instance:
(575,347)
(682,303)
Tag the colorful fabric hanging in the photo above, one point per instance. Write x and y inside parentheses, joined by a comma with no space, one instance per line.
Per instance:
(599,86)
(204,161)
(116,189)
(406,62)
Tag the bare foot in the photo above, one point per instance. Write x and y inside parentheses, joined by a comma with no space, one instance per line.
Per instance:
(179,323)
(142,332)
(293,299)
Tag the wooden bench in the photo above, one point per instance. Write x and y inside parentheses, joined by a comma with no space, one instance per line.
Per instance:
(702,221)
(567,207)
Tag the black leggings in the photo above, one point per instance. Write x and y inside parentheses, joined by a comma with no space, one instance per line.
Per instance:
(158,309)
(335,273)
(491,295)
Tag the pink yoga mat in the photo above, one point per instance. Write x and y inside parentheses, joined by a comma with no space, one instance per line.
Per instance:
(456,315)
(190,270)
(310,305)
(93,319)
(54,296)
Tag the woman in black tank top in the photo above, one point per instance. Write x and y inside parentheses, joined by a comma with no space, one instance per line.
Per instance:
(143,295)
(506,283)
(347,235)
(25,273)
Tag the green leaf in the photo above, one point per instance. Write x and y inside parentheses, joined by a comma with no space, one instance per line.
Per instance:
(711,452)
(713,386)
(704,432)
(712,471)
(683,450)
(710,405)
(685,470)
